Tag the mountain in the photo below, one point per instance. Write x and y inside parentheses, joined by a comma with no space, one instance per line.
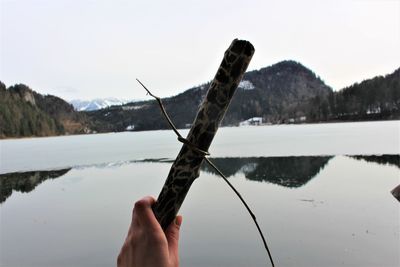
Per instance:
(277,93)
(23,113)
(286,92)
(96,104)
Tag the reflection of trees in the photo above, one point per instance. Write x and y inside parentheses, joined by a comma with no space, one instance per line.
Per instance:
(382,159)
(285,171)
(25,181)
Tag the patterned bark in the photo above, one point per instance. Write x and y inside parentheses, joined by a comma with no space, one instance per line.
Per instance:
(186,166)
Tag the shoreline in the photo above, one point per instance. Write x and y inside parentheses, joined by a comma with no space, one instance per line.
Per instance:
(181,129)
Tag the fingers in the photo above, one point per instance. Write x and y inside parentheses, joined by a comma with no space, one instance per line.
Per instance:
(172,234)
(143,214)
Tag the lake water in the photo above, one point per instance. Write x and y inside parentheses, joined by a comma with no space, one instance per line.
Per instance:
(321,194)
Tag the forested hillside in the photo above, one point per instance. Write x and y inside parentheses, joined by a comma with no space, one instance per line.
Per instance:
(23,113)
(376,98)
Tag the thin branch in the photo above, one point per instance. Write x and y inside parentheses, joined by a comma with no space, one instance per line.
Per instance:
(247,207)
(183,140)
(162,109)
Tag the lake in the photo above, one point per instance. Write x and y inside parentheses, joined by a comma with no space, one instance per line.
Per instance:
(321,194)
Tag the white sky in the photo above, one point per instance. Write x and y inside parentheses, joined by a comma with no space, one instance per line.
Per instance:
(91,49)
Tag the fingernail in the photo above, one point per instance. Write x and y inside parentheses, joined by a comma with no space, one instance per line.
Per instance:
(178,220)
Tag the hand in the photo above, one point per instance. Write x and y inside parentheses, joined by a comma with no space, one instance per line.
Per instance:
(146,244)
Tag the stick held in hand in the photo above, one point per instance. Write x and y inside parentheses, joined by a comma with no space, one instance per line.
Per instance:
(186,166)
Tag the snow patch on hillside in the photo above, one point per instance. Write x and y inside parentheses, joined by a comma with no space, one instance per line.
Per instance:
(246,85)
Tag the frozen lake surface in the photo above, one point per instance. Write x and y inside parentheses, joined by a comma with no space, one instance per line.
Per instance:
(321,194)
(360,138)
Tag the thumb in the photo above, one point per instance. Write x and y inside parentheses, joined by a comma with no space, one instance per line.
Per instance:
(172,234)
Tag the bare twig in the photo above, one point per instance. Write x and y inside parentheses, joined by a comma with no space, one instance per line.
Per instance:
(162,109)
(183,140)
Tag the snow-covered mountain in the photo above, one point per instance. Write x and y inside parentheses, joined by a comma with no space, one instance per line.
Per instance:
(95,104)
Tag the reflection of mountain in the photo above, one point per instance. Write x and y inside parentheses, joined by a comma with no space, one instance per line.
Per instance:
(285,171)
(25,181)
(382,159)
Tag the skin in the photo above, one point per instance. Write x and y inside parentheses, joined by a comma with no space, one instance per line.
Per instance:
(146,244)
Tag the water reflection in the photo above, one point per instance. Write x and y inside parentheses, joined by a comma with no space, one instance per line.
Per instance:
(25,181)
(285,171)
(292,172)
(393,160)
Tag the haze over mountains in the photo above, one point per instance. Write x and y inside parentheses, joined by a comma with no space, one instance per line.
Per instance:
(96,104)
(286,92)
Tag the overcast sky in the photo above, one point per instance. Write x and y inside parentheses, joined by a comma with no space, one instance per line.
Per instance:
(91,49)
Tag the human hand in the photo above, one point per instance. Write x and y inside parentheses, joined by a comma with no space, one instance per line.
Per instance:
(146,244)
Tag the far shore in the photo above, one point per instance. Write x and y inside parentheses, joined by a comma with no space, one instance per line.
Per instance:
(226,126)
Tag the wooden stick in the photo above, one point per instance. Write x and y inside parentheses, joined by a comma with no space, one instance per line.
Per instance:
(186,166)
